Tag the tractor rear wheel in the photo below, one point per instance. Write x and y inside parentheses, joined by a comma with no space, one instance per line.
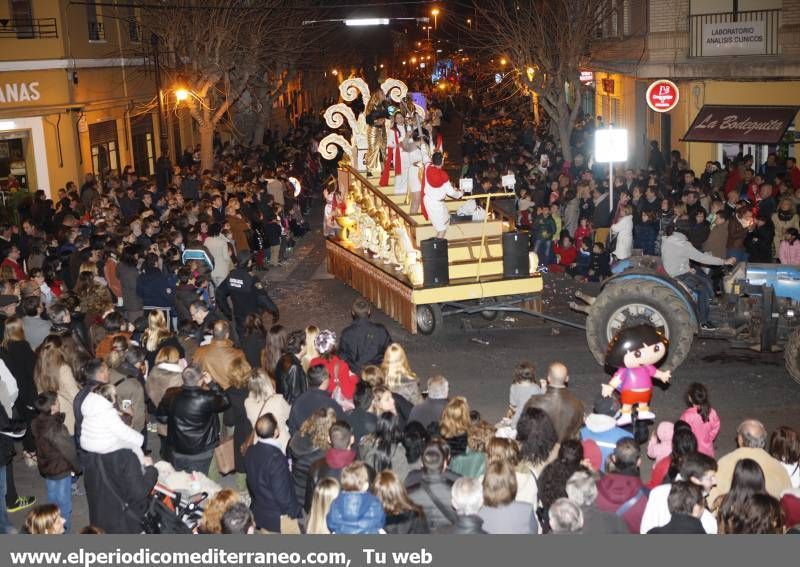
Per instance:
(635,301)
(791,354)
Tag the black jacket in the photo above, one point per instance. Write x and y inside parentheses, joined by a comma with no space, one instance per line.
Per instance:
(252,345)
(290,378)
(463,526)
(329,466)
(361,422)
(55,449)
(185,295)
(303,453)
(309,402)
(117,499)
(363,343)
(236,416)
(20,360)
(406,523)
(270,485)
(247,294)
(680,524)
(440,486)
(191,417)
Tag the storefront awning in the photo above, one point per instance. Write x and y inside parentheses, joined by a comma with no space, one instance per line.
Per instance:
(741,124)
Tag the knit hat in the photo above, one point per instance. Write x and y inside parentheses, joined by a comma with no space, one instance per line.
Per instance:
(660,444)
(592,452)
(325,341)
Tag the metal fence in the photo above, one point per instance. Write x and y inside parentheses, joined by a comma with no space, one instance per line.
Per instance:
(29,29)
(771,19)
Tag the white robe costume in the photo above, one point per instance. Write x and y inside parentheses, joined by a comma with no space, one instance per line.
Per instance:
(435,190)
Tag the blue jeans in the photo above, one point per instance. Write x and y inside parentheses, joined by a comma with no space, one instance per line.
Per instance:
(3,515)
(59,492)
(738,253)
(702,286)
(543,249)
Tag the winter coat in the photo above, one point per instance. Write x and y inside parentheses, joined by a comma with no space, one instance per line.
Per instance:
(544,228)
(161,378)
(680,524)
(128,278)
(339,374)
(270,485)
(55,448)
(362,422)
(191,417)
(130,393)
(67,390)
(623,229)
(218,248)
(645,236)
(614,490)
(103,431)
(170,340)
(253,345)
(239,230)
(356,513)
(111,276)
(440,486)
(309,402)
(117,490)
(716,243)
(564,409)
(704,431)
(409,389)
(465,525)
(290,378)
(789,253)
(597,522)
(406,523)
(277,406)
(156,289)
(20,360)
(303,454)
(236,416)
(736,235)
(362,343)
(759,243)
(513,518)
(185,295)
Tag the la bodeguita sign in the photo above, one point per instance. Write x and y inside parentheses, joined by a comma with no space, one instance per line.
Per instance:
(741,124)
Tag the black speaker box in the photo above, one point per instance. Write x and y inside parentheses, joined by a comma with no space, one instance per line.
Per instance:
(516,263)
(434,262)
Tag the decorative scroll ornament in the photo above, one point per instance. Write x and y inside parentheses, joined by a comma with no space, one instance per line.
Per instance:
(394,89)
(330,144)
(351,88)
(337,114)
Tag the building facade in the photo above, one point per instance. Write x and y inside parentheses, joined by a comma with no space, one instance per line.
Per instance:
(76,95)
(737,53)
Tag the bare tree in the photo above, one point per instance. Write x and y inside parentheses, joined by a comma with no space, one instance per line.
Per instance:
(545,42)
(213,50)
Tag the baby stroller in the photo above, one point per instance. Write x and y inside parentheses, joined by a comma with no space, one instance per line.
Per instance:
(169,512)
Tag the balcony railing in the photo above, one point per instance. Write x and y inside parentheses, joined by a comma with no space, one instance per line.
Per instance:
(728,34)
(28,29)
(96,31)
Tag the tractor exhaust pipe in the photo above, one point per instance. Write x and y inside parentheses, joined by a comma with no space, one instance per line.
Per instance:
(587,299)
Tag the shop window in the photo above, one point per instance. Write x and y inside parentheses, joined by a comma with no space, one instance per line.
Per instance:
(12,159)
(134,28)
(22,18)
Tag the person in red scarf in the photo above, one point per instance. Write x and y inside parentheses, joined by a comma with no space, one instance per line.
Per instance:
(436,188)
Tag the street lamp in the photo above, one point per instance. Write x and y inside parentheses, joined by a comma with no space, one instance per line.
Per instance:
(181,94)
(469,23)
(435,14)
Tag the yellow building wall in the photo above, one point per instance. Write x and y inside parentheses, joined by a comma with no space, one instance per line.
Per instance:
(618,107)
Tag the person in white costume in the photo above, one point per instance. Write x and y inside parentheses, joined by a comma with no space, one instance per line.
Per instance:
(436,188)
(400,147)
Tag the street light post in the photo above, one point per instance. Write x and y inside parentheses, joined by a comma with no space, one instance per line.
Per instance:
(162,117)
(435,14)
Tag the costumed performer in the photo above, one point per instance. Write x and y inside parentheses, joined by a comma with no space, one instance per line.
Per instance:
(436,188)
(376,114)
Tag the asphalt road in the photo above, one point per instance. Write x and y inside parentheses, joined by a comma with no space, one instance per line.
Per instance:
(742,383)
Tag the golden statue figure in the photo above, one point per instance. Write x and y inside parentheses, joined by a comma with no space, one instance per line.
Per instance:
(376,114)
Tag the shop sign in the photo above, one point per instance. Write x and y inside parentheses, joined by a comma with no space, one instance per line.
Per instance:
(735,38)
(19,92)
(586,77)
(741,124)
(608,86)
(662,95)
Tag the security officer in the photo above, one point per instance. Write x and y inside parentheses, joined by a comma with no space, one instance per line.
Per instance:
(247,294)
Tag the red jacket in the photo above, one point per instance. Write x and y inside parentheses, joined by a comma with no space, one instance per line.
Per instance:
(19,273)
(616,490)
(567,256)
(347,380)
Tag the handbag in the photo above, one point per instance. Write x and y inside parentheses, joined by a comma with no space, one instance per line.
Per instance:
(223,453)
(337,395)
(251,439)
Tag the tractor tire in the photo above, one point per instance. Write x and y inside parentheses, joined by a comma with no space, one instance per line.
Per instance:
(429,318)
(664,306)
(791,355)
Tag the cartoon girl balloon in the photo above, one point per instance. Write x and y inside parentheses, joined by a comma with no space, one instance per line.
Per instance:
(634,352)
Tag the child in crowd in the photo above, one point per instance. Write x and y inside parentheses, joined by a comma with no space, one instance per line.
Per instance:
(584,231)
(565,253)
(55,453)
(599,263)
(523,387)
(524,204)
(580,267)
(645,234)
(544,227)
(702,418)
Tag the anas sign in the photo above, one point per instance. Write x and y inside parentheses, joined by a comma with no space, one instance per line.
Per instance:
(19,92)
(734,38)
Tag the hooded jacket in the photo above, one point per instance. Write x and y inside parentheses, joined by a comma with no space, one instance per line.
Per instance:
(615,490)
(330,465)
(303,453)
(356,513)
(103,431)
(677,251)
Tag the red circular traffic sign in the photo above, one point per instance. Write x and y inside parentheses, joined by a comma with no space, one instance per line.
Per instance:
(662,95)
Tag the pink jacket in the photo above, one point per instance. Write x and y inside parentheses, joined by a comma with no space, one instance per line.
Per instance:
(705,431)
(789,253)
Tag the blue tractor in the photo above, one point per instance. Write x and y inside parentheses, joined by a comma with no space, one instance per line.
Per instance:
(759,309)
